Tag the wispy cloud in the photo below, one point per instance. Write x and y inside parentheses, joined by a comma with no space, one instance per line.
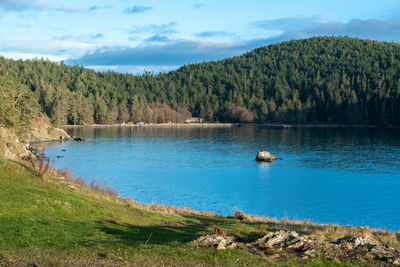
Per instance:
(388,30)
(96,36)
(286,24)
(21,5)
(173,53)
(24,56)
(136,9)
(159,50)
(97,7)
(81,38)
(54,47)
(63,37)
(157,39)
(207,34)
(37,5)
(197,5)
(295,28)
(160,29)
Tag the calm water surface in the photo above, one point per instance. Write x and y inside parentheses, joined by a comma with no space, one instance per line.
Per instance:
(344,176)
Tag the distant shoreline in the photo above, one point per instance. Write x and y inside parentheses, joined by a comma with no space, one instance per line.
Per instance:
(205,124)
(230,125)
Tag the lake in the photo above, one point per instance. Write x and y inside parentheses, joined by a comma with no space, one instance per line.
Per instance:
(343,176)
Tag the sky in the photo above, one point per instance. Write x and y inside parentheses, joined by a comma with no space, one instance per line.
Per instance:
(162,35)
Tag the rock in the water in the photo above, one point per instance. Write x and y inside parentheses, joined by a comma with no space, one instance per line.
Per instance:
(266,156)
(79,139)
(217,241)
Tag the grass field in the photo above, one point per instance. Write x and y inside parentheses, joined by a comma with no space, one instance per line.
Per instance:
(53,222)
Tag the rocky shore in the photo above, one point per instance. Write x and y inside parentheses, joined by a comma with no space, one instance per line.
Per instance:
(281,244)
(20,146)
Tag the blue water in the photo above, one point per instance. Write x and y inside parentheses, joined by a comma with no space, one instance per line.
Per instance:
(344,176)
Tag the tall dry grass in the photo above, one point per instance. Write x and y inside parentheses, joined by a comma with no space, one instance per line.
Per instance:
(102,187)
(40,165)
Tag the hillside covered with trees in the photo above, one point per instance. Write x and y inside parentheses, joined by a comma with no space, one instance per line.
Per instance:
(332,80)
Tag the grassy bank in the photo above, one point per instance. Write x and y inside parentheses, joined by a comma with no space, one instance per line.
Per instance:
(55,221)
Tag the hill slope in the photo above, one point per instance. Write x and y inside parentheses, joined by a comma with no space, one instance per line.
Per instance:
(334,80)
(58,222)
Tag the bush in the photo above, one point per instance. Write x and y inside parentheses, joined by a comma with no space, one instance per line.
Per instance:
(40,165)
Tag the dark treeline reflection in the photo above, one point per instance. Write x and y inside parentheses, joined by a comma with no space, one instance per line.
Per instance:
(295,137)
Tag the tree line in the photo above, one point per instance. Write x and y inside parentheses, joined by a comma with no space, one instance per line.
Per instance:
(330,80)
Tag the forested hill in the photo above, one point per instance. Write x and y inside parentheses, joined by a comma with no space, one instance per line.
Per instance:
(333,80)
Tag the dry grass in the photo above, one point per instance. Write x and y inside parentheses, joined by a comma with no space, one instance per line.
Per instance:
(260,229)
(334,232)
(218,231)
(239,215)
(169,209)
(40,165)
(102,187)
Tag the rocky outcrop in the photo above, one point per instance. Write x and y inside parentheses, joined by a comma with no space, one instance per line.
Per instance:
(265,156)
(284,243)
(368,248)
(18,146)
(11,146)
(287,241)
(42,131)
(354,241)
(217,241)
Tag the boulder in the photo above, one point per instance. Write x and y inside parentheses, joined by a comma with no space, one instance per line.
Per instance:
(81,139)
(265,156)
(290,241)
(218,241)
(354,241)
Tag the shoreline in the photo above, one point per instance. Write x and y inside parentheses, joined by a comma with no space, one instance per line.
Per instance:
(205,125)
(234,125)
(319,126)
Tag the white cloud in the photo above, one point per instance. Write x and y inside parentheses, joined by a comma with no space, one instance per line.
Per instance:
(63,48)
(25,56)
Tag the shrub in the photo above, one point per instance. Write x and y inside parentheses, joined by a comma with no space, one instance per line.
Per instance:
(240,215)
(218,231)
(40,165)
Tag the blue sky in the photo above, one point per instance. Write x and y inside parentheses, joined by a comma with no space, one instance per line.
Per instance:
(160,35)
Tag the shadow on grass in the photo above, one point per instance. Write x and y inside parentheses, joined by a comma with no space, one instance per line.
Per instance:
(135,235)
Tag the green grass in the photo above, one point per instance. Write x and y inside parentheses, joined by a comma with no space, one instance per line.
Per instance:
(47,223)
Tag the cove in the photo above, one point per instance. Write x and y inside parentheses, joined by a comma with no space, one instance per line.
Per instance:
(343,176)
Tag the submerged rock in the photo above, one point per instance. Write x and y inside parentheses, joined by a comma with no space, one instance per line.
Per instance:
(265,156)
